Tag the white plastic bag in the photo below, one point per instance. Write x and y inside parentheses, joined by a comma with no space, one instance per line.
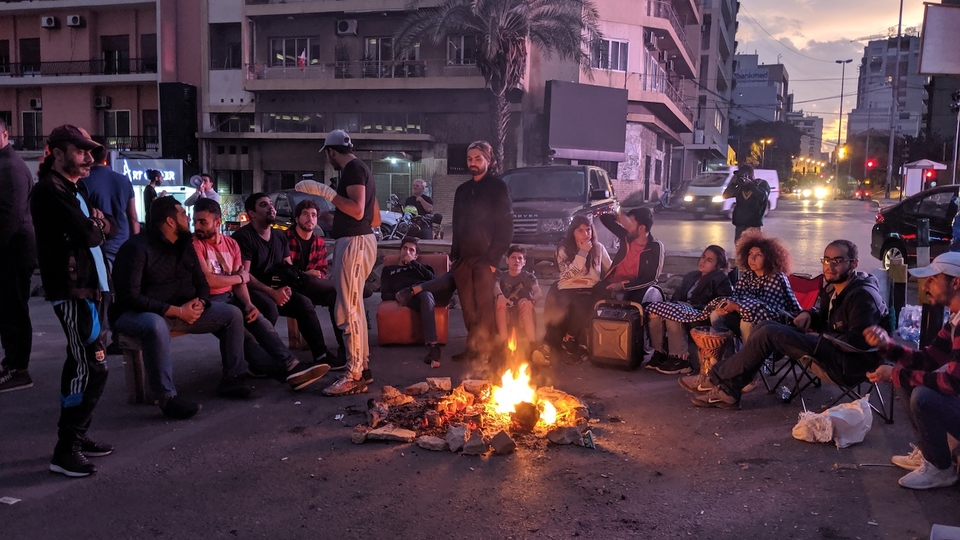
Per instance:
(813,427)
(851,421)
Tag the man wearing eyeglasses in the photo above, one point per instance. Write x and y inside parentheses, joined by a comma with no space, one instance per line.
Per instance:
(848,304)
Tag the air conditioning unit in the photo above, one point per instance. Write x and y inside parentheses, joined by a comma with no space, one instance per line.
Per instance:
(347,27)
(650,41)
(49,22)
(36,104)
(102,102)
(75,21)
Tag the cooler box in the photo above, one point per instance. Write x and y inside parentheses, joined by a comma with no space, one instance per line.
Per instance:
(616,334)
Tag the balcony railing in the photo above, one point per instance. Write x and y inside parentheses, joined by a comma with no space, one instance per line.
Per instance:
(364,69)
(660,84)
(663,10)
(79,67)
(133,143)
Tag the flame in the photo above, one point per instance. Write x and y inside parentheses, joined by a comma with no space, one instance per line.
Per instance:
(516,388)
(512,343)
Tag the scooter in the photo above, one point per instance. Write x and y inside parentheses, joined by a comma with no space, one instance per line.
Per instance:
(664,202)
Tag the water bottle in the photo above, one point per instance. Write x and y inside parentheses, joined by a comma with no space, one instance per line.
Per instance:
(786,393)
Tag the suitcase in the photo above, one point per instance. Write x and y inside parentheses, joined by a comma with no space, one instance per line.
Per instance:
(616,334)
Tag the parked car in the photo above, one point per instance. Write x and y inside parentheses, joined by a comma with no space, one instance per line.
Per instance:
(285,201)
(895,231)
(545,200)
(704,195)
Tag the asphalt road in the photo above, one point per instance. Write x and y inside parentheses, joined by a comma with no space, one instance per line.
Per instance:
(807,227)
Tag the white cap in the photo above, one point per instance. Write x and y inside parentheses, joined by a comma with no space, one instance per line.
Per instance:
(337,137)
(946,263)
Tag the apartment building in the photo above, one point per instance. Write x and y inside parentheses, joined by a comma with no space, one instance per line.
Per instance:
(879,68)
(762,91)
(707,144)
(121,69)
(811,138)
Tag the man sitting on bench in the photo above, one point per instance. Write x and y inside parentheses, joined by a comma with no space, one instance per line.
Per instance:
(160,288)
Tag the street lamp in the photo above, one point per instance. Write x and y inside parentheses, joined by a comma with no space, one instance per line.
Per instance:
(843,72)
(763,151)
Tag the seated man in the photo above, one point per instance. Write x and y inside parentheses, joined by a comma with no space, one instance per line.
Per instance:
(308,252)
(220,259)
(928,381)
(266,256)
(518,294)
(849,304)
(396,282)
(638,263)
(160,288)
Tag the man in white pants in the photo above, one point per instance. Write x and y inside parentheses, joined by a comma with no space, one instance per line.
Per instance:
(354,254)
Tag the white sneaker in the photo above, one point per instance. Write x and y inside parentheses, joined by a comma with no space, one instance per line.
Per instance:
(911,461)
(929,477)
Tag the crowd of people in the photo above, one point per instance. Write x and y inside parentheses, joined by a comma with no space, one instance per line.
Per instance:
(100,271)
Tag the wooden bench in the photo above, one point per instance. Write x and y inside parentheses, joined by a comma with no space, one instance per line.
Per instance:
(138,386)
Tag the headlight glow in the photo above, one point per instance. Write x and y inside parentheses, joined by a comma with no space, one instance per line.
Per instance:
(688,198)
(805,193)
(717,199)
(820,193)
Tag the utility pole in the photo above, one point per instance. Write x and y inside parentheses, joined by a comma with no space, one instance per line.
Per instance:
(894,105)
(836,166)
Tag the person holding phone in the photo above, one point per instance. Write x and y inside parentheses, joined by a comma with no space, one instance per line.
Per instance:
(751,200)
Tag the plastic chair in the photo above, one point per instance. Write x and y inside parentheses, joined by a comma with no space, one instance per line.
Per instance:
(806,289)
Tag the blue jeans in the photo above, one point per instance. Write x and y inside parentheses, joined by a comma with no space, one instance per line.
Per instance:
(932,415)
(262,347)
(153,331)
(423,304)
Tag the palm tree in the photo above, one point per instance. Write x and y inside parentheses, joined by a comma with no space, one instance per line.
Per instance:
(567,28)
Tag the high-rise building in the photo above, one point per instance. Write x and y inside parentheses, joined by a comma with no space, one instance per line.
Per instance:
(875,87)
(762,91)
(811,138)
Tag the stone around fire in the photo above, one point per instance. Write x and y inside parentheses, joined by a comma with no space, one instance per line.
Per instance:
(428,442)
(503,443)
(565,435)
(475,444)
(417,389)
(392,433)
(456,437)
(440,383)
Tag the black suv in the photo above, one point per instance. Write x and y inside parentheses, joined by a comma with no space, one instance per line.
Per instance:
(895,232)
(545,199)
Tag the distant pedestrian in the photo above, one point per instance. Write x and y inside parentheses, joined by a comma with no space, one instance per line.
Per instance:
(154,178)
(70,236)
(751,200)
(204,185)
(422,202)
(19,246)
(112,192)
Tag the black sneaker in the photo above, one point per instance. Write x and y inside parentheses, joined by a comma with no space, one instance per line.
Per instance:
(674,366)
(303,377)
(179,408)
(433,353)
(656,359)
(14,379)
(366,377)
(91,448)
(73,464)
(233,387)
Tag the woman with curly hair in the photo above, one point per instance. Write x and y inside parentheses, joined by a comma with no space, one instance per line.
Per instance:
(582,260)
(762,293)
(698,288)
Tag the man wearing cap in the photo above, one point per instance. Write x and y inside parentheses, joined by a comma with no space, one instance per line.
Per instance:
(927,381)
(355,252)
(482,231)
(16,238)
(70,236)
(849,304)
(204,185)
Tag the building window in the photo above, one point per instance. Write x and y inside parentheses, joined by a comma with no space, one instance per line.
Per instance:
(7,118)
(462,50)
(285,52)
(718,120)
(150,128)
(293,123)
(116,128)
(32,130)
(115,51)
(4,56)
(30,55)
(610,54)
(277,180)
(457,158)
(225,46)
(148,53)
(234,182)
(232,123)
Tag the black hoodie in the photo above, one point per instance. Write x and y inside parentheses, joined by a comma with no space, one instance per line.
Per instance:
(857,307)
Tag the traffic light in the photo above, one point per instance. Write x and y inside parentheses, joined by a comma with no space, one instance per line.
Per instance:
(871,163)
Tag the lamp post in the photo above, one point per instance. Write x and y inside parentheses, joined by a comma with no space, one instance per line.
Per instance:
(894,104)
(843,73)
(763,151)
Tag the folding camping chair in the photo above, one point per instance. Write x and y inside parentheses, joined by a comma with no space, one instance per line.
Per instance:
(806,289)
(811,373)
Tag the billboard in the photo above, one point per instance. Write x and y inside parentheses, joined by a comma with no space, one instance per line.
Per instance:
(939,46)
(586,121)
(752,77)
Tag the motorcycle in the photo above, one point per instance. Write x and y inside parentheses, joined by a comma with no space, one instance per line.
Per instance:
(399,222)
(664,203)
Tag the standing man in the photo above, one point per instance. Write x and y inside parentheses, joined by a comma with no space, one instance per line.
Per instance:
(112,192)
(354,254)
(751,200)
(154,179)
(205,190)
(423,202)
(70,235)
(482,230)
(266,256)
(16,268)
(928,381)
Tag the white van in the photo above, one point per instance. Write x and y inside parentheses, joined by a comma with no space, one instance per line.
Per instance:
(704,194)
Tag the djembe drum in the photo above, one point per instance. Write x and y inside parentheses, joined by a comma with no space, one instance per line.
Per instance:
(711,344)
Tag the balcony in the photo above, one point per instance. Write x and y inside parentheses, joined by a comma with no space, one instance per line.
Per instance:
(365,75)
(662,100)
(661,9)
(130,143)
(28,144)
(72,71)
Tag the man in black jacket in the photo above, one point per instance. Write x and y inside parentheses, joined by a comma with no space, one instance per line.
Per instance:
(161,288)
(16,238)
(482,231)
(752,198)
(848,305)
(639,261)
(397,282)
(73,268)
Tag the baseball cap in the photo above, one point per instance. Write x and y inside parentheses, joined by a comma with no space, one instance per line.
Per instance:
(74,135)
(337,137)
(946,263)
